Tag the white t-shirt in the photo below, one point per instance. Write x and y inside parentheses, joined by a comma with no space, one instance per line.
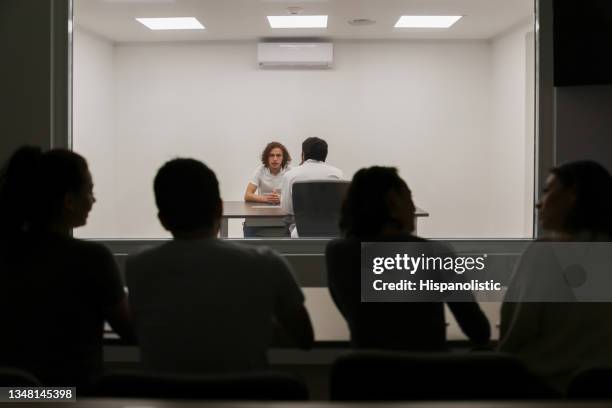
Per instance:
(207,304)
(265,181)
(309,170)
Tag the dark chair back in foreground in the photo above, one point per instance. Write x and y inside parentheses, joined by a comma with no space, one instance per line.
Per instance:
(263,386)
(593,383)
(388,376)
(13,377)
(316,207)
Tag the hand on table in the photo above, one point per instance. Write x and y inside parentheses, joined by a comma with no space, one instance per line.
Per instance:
(273,198)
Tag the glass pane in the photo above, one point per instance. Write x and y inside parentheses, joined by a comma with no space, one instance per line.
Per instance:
(451,108)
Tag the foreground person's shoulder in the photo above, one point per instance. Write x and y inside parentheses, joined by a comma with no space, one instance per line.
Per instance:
(93,249)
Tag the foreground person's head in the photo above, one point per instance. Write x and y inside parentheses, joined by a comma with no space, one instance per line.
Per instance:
(45,191)
(577,198)
(378,203)
(188,200)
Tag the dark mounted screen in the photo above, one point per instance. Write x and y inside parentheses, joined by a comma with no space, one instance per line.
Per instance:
(582,42)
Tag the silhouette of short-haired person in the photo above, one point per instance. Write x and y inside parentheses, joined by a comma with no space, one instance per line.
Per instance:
(313,167)
(56,291)
(378,207)
(202,304)
(558,339)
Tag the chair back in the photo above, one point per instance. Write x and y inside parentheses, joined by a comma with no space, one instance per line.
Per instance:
(593,383)
(316,207)
(395,376)
(263,386)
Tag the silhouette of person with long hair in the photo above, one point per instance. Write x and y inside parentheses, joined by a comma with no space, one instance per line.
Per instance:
(57,291)
(378,207)
(555,337)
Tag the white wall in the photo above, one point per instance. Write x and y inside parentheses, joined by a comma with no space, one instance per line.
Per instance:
(427,107)
(94,130)
(512,136)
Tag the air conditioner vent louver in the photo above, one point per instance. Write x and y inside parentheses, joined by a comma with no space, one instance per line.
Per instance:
(295,54)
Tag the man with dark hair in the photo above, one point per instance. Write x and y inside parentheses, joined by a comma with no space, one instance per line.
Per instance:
(314,148)
(313,167)
(204,304)
(187,196)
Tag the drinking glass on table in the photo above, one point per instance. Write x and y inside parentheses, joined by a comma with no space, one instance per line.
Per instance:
(273,197)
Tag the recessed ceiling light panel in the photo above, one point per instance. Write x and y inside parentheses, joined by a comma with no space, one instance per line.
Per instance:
(426,21)
(297,21)
(171,23)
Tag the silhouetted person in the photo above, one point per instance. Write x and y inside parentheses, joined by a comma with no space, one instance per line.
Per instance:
(313,167)
(204,304)
(379,207)
(56,291)
(557,339)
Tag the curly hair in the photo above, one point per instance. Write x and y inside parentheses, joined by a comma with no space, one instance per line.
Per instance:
(268,149)
(365,210)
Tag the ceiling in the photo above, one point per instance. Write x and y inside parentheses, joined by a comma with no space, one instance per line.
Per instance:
(246,19)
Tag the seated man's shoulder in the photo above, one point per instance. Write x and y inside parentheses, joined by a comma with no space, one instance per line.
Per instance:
(260,168)
(342,254)
(147,253)
(91,251)
(212,253)
(155,259)
(291,172)
(268,264)
(336,169)
(261,258)
(352,244)
(341,245)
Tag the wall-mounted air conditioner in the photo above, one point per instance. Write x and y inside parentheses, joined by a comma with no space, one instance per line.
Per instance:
(295,54)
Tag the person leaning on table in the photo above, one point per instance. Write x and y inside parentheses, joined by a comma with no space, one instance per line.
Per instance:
(264,187)
(378,208)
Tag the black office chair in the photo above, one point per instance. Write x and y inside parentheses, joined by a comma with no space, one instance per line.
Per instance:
(13,377)
(593,383)
(389,376)
(316,207)
(263,386)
